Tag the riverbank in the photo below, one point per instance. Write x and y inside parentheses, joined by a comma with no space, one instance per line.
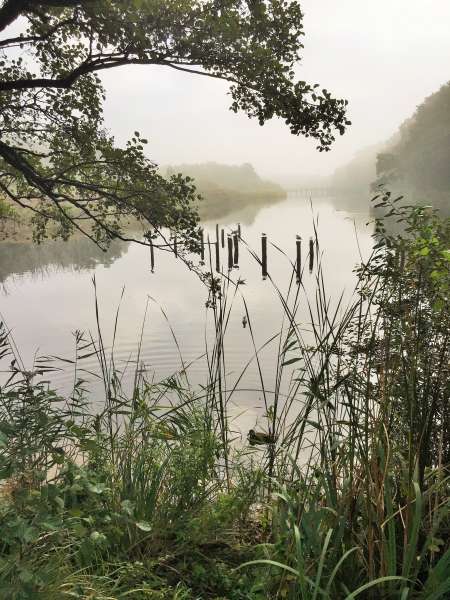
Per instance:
(341,492)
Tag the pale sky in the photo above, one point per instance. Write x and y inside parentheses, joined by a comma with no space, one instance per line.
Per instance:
(384,56)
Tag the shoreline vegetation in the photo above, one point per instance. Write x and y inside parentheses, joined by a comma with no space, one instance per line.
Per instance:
(343,494)
(223,188)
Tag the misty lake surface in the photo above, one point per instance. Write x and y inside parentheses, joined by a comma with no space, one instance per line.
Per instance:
(47,293)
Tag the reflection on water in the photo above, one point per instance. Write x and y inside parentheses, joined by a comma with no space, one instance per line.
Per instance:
(43,310)
(244,209)
(18,260)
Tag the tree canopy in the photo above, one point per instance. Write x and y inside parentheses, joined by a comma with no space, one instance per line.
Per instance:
(56,157)
(418,158)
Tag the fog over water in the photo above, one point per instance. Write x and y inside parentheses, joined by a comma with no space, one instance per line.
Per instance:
(384,57)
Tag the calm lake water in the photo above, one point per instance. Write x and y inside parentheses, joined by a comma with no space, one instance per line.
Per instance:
(47,293)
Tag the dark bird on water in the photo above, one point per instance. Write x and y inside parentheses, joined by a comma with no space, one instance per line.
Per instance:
(260,438)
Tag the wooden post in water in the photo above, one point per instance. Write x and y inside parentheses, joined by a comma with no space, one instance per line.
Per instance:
(298,262)
(222,238)
(217,249)
(236,250)
(311,255)
(152,256)
(217,256)
(264,255)
(230,252)
(239,230)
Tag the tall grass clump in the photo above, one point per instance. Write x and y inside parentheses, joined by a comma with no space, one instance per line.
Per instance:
(343,494)
(118,499)
(362,465)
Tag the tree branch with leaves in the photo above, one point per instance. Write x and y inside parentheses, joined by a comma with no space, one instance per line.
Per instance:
(56,158)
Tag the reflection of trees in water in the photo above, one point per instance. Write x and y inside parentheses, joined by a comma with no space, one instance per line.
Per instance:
(246,210)
(242,208)
(353,201)
(77,254)
(362,201)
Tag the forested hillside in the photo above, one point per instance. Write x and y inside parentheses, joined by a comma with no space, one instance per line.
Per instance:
(226,187)
(415,161)
(420,160)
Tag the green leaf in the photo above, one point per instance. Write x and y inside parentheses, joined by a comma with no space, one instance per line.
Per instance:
(373,583)
(272,563)
(337,567)
(290,361)
(314,424)
(127,507)
(88,445)
(411,551)
(96,488)
(438,582)
(97,538)
(59,501)
(321,563)
(143,526)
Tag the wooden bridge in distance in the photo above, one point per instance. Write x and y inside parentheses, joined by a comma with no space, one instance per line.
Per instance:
(313,192)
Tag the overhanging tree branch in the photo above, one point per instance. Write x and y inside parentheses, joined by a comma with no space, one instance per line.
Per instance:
(36,38)
(52,136)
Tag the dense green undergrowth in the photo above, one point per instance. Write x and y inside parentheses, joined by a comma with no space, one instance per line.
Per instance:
(150,496)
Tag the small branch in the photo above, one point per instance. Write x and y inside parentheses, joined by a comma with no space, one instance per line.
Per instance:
(36,38)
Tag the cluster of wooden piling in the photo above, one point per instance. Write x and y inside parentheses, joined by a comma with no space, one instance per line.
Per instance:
(232,245)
